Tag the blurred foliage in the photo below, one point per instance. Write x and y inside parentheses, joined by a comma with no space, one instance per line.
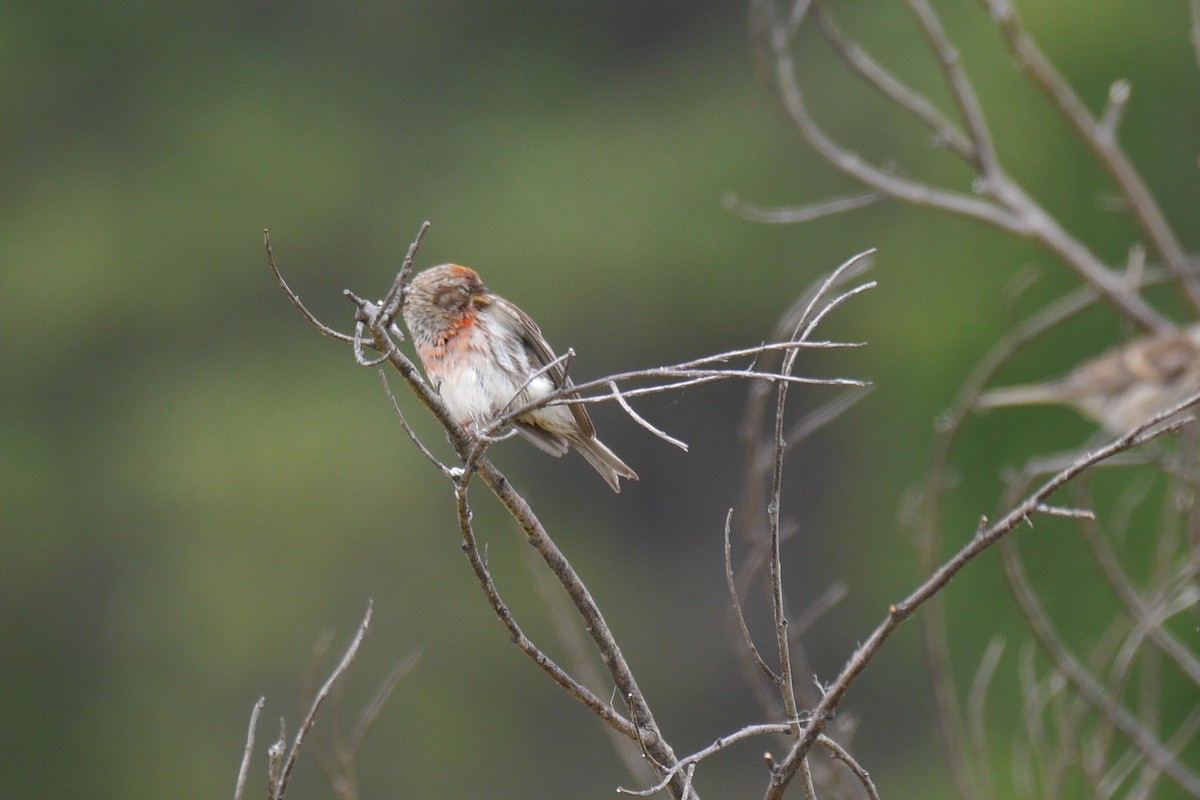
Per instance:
(196,485)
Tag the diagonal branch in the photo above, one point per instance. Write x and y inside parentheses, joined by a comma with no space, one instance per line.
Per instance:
(280,786)
(985,537)
(891,87)
(986,161)
(1101,140)
(1158,754)
(1011,209)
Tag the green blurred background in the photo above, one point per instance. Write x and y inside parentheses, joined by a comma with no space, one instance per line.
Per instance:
(196,486)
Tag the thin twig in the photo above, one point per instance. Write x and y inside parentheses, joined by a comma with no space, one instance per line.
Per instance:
(1114,110)
(582,664)
(891,87)
(793,215)
(425,451)
(1137,734)
(360,357)
(985,537)
(502,414)
(321,327)
(714,748)
(976,707)
(560,676)
(706,376)
(1013,210)
(1136,607)
(1105,148)
(394,299)
(275,754)
(1063,511)
(841,754)
(738,614)
(666,437)
(311,717)
(808,322)
(986,161)
(244,770)
(371,711)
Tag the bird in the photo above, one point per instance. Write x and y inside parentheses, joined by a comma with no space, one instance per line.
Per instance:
(480,351)
(1122,388)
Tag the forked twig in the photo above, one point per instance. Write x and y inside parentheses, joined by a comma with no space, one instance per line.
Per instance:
(311,717)
(666,437)
(1004,205)
(1140,736)
(985,537)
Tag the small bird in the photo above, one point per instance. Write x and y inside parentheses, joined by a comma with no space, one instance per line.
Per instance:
(1122,388)
(479,351)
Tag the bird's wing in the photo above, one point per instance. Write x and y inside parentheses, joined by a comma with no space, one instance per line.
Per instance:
(1154,362)
(539,349)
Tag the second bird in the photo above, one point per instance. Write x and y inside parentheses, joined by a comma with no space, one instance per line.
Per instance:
(479,350)
(1122,388)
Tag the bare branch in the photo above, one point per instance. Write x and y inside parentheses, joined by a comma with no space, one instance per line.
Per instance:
(321,327)
(523,642)
(387,388)
(394,299)
(809,320)
(244,770)
(876,75)
(643,422)
(714,748)
(1138,735)
(371,711)
(984,539)
(976,705)
(1105,148)
(739,616)
(1110,119)
(962,91)
(805,213)
(841,754)
(311,717)
(1138,610)
(1012,210)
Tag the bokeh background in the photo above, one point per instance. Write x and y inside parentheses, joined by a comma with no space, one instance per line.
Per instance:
(196,487)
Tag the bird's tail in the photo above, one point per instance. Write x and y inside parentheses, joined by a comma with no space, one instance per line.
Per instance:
(1034,394)
(604,461)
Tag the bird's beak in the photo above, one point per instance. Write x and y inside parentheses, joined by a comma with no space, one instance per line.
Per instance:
(481,300)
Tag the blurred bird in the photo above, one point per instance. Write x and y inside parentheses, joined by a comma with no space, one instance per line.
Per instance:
(480,350)
(1122,388)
